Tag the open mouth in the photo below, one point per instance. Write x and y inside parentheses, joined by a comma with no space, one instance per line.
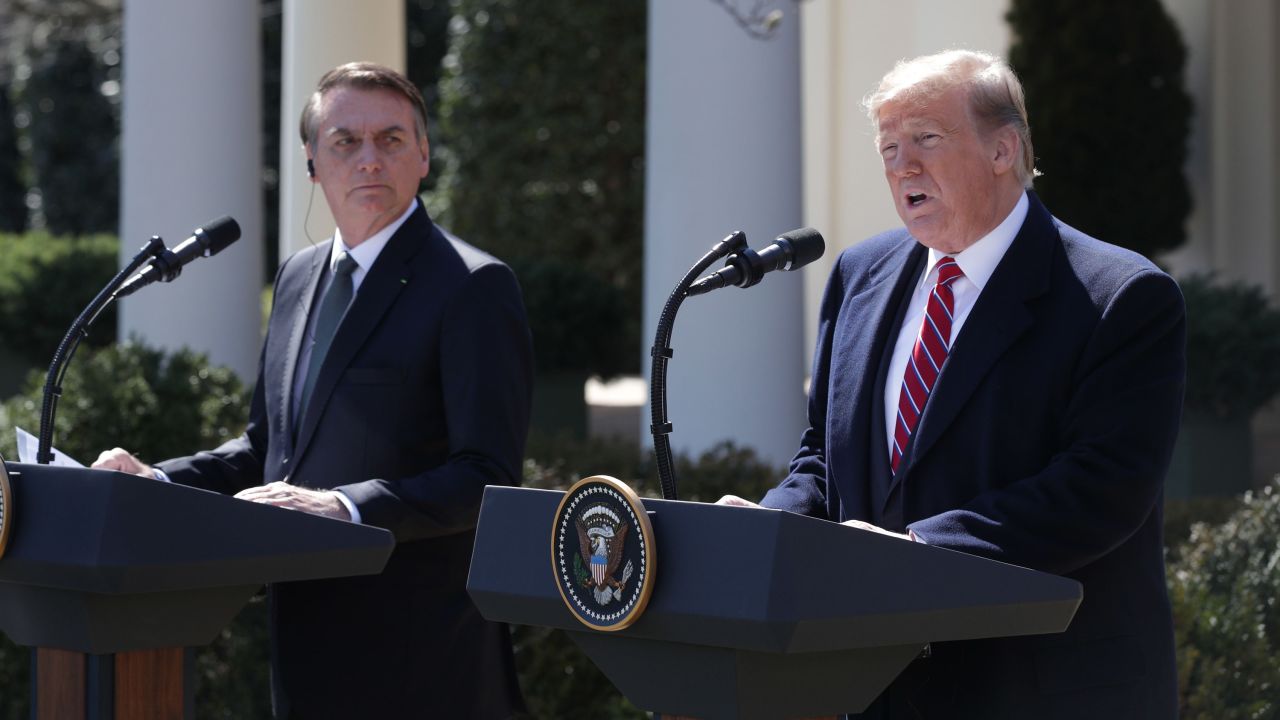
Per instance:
(916,198)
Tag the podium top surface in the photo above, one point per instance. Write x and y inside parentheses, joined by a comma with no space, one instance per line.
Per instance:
(770,580)
(100,531)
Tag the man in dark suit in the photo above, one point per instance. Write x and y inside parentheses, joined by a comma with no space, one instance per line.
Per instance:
(394,385)
(990,380)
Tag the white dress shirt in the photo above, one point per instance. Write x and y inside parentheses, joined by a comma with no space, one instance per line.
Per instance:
(978,261)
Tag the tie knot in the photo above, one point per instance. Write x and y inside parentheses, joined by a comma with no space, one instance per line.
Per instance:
(948,271)
(345,265)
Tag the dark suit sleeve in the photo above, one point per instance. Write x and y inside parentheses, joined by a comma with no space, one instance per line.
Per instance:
(1117,435)
(486,378)
(804,491)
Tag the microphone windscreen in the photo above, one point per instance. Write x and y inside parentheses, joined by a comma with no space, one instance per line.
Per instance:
(807,243)
(219,234)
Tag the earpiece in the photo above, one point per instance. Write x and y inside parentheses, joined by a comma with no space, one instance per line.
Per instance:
(311,168)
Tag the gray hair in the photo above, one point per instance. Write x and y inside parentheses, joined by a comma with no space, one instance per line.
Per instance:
(365,76)
(995,95)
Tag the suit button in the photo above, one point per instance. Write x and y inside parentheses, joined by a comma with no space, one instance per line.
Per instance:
(285,462)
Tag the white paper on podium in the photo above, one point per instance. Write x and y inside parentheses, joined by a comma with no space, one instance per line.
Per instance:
(29,446)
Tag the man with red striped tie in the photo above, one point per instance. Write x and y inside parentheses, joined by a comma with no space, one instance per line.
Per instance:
(990,380)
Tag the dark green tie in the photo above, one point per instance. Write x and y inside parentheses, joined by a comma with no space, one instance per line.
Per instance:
(332,307)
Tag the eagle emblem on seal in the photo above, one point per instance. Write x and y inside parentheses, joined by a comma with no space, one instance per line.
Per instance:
(602,553)
(601,538)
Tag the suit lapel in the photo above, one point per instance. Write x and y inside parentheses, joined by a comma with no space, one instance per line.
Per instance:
(298,332)
(867,325)
(377,293)
(1000,316)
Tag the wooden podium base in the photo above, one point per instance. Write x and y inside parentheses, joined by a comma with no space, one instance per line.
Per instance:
(136,685)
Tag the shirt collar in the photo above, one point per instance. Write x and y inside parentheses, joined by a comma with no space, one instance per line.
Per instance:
(979,260)
(367,252)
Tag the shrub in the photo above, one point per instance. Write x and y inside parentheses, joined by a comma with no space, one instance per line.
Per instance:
(1225,591)
(45,281)
(155,404)
(542,112)
(74,131)
(1108,105)
(1233,348)
(15,672)
(13,191)
(578,320)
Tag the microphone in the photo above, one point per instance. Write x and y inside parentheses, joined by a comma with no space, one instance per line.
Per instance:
(792,250)
(206,241)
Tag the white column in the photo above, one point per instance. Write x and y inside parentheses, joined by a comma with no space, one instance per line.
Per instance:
(723,153)
(317,38)
(190,144)
(1246,108)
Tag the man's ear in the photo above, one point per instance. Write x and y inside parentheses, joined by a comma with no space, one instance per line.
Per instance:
(1006,148)
(425,148)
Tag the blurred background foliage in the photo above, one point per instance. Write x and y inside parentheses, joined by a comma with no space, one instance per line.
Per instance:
(1109,114)
(45,281)
(542,112)
(1225,590)
(1233,348)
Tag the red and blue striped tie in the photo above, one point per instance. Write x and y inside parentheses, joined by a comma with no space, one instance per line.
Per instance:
(927,357)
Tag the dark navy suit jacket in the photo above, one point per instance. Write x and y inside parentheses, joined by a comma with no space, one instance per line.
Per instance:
(1044,444)
(422,400)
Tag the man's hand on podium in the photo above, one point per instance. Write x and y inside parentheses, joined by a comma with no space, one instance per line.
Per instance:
(877,529)
(282,494)
(736,501)
(121,460)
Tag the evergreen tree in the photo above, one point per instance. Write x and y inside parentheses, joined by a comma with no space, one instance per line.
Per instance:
(542,106)
(1109,116)
(13,192)
(74,135)
(426,42)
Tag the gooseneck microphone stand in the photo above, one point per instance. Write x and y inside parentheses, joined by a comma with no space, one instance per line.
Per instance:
(79,330)
(662,352)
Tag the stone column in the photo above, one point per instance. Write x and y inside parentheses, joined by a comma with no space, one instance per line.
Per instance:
(723,153)
(190,145)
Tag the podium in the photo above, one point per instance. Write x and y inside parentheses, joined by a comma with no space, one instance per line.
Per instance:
(110,576)
(761,613)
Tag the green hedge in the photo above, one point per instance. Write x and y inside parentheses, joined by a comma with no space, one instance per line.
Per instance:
(156,405)
(45,281)
(1233,347)
(542,152)
(1225,589)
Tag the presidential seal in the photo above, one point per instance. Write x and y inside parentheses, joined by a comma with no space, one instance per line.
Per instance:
(602,553)
(6,507)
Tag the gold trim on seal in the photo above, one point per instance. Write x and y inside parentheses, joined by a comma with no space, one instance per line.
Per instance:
(6,507)
(646,534)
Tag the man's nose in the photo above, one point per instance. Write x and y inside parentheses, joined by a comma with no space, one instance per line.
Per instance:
(903,163)
(368,158)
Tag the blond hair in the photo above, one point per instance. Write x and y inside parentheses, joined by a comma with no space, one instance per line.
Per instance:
(995,95)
